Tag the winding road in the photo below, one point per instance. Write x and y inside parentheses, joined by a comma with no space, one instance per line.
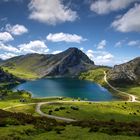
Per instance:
(132,98)
(38,110)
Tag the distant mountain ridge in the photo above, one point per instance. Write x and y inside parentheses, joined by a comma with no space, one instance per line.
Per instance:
(127,73)
(68,63)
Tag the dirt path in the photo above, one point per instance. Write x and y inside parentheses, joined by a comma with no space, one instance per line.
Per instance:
(18,105)
(38,110)
(132,97)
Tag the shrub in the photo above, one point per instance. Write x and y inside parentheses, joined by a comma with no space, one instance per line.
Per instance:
(56,109)
(50,112)
(74,108)
(62,108)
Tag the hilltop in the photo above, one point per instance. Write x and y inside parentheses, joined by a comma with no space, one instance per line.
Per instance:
(68,63)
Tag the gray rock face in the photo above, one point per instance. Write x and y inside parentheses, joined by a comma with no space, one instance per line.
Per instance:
(127,73)
(72,62)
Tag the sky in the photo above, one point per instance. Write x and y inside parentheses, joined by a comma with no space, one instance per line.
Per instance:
(108,31)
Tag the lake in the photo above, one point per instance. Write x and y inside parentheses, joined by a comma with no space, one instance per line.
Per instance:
(66,87)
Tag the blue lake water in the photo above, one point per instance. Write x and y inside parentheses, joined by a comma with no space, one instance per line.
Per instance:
(66,87)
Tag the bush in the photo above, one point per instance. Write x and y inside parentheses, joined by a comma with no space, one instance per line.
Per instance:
(56,109)
(50,112)
(74,108)
(62,108)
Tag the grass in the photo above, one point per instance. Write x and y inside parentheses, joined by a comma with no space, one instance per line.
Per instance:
(95,75)
(135,90)
(118,111)
(9,102)
(21,73)
(28,109)
(69,133)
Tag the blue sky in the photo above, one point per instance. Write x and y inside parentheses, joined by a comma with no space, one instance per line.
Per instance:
(108,31)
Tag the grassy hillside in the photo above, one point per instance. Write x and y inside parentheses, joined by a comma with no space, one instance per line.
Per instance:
(22,67)
(25,126)
(133,89)
(22,72)
(69,133)
(95,75)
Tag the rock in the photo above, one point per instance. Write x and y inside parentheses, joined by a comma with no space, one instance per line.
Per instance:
(125,74)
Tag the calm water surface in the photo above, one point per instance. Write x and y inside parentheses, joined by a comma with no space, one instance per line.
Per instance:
(67,88)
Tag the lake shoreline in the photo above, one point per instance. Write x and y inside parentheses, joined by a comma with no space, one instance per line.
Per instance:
(71,90)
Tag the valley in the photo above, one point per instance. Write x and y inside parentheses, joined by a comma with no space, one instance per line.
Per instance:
(61,114)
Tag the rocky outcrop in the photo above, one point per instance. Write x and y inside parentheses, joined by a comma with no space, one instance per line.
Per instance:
(127,73)
(73,62)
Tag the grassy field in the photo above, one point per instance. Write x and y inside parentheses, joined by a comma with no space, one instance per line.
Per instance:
(21,72)
(118,111)
(69,133)
(36,129)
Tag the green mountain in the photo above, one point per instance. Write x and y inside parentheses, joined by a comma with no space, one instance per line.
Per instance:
(68,63)
(125,74)
(7,79)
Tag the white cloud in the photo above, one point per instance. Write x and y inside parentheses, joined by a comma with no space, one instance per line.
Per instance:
(82,49)
(16,29)
(107,6)
(8,48)
(35,46)
(135,43)
(59,37)
(56,52)
(129,22)
(102,44)
(5,37)
(120,43)
(90,54)
(51,11)
(7,55)
(100,57)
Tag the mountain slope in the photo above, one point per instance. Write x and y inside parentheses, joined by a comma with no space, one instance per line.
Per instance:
(7,79)
(127,73)
(1,60)
(68,63)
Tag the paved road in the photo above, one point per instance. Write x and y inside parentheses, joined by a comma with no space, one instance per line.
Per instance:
(132,97)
